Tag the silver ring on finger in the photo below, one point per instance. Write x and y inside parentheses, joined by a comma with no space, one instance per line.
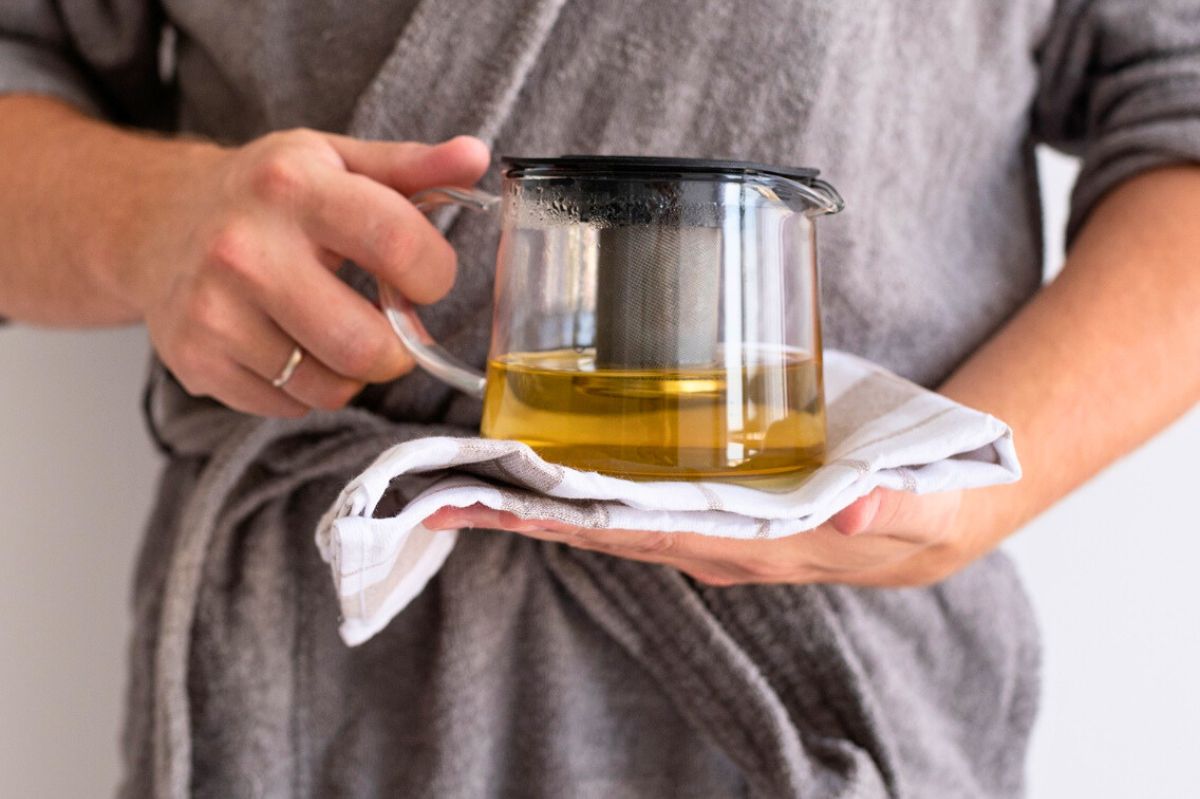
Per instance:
(289,368)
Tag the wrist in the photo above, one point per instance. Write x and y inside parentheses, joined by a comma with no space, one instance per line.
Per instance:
(80,198)
(985,518)
(150,189)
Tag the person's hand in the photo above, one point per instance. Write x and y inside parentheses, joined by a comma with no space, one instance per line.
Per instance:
(233,263)
(887,538)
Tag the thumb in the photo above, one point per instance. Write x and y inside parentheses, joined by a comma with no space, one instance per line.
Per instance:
(880,512)
(409,167)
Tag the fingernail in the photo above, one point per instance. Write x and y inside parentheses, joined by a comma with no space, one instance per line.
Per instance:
(475,140)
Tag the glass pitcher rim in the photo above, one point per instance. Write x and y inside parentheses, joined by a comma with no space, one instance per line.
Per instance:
(515,166)
(818,195)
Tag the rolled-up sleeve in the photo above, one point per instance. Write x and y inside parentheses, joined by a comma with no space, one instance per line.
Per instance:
(35,68)
(99,55)
(36,55)
(1120,88)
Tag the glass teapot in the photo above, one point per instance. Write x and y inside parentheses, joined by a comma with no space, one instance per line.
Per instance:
(653,317)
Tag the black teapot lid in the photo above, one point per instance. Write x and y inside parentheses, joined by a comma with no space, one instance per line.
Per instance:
(576,165)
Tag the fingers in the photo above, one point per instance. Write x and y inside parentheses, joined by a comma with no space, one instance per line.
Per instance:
(254,277)
(918,519)
(704,557)
(859,515)
(649,545)
(283,276)
(226,347)
(245,391)
(820,555)
(382,232)
(239,388)
(360,214)
(264,349)
(910,541)
(409,167)
(332,323)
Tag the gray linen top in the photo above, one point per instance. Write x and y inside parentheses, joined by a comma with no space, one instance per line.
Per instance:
(527,669)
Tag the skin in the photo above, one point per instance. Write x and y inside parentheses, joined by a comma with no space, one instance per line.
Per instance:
(220,250)
(1098,361)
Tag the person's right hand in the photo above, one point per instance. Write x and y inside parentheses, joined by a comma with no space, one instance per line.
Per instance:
(234,265)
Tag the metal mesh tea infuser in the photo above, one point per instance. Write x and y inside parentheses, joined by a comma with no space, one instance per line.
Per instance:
(653,316)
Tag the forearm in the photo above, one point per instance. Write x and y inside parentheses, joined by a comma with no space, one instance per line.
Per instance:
(1102,358)
(74,193)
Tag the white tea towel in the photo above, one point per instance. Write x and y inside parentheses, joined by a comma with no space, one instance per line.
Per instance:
(883,431)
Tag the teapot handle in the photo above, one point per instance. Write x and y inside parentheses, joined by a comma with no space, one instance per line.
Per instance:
(430,355)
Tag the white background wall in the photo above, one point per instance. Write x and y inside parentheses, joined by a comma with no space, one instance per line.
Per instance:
(1112,572)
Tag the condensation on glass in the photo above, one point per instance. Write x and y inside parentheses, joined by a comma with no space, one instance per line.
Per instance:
(653,317)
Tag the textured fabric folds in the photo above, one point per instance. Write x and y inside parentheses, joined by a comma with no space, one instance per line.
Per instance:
(887,433)
(526,669)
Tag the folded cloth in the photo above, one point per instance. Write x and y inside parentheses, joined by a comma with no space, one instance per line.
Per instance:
(883,432)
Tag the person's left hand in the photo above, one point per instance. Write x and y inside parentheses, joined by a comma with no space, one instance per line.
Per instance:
(887,538)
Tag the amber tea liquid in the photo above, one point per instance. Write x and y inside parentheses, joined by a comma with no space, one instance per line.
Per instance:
(758,419)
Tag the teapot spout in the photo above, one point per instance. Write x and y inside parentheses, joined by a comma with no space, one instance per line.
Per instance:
(809,196)
(823,197)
